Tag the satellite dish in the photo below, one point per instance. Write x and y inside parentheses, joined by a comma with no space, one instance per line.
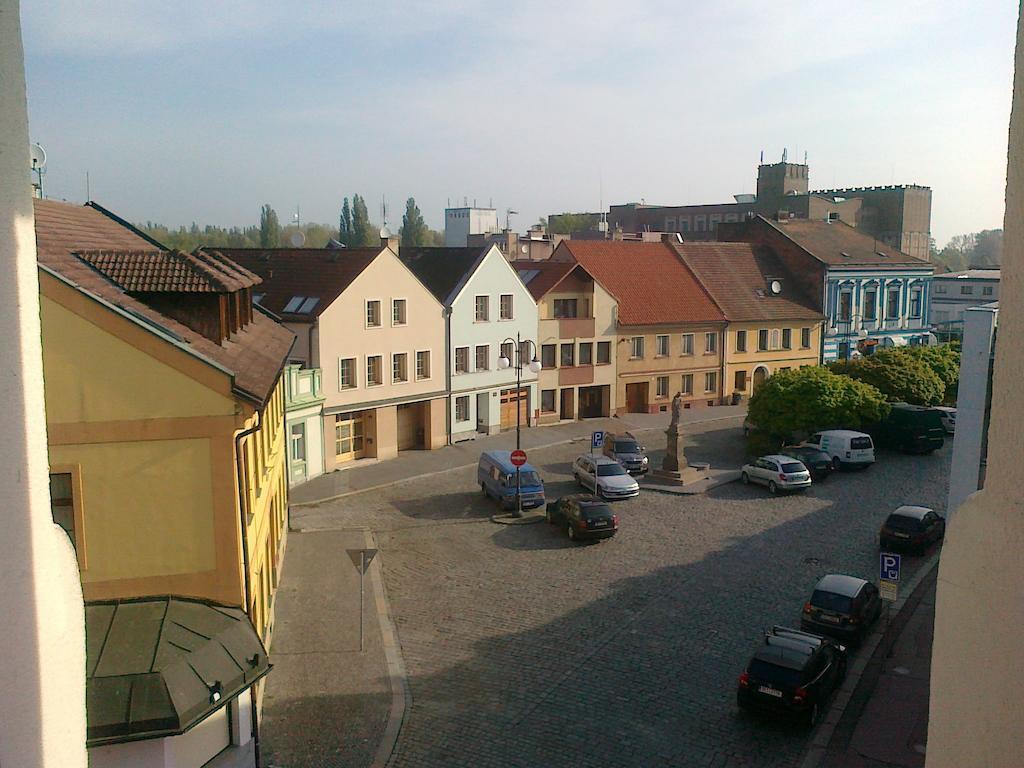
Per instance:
(298,239)
(38,155)
(776,287)
(523,248)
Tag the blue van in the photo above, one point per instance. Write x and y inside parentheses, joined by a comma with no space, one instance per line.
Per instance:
(497,477)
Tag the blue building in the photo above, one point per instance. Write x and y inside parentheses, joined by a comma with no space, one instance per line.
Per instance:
(871,294)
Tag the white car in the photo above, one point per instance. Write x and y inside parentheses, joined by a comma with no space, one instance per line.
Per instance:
(948,418)
(779,473)
(605,477)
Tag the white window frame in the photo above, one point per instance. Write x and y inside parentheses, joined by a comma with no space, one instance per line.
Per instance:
(487,308)
(686,384)
(710,342)
(501,306)
(393,379)
(355,373)
(465,418)
(710,376)
(658,343)
(658,381)
(366,314)
(487,357)
(686,342)
(366,362)
(455,361)
(633,345)
(429,364)
(405,311)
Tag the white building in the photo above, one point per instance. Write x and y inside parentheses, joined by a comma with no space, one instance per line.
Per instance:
(486,306)
(460,223)
(303,406)
(955,292)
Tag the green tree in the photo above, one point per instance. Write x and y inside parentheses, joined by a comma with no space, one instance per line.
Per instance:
(270,228)
(414,229)
(812,398)
(897,374)
(567,223)
(944,360)
(345,224)
(363,233)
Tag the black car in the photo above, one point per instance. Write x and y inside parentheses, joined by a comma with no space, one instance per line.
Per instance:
(818,463)
(842,606)
(583,516)
(911,528)
(793,673)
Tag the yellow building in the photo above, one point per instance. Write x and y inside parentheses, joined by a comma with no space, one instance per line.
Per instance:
(772,326)
(164,410)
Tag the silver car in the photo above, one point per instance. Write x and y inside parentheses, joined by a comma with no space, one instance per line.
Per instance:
(779,473)
(605,477)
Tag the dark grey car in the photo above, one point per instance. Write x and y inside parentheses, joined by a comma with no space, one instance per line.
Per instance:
(628,451)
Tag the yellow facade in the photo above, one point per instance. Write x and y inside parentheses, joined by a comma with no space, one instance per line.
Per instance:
(756,350)
(145,430)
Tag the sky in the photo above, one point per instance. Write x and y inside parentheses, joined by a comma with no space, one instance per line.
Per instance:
(199,111)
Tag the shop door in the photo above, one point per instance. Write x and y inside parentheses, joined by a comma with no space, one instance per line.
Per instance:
(410,427)
(568,400)
(511,402)
(636,397)
(348,436)
(590,402)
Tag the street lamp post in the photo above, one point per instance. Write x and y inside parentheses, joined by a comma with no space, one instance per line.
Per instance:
(849,332)
(534,365)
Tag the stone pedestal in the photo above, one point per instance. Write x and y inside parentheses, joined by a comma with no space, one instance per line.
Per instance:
(674,469)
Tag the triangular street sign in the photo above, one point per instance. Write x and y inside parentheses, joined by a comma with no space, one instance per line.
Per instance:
(361,558)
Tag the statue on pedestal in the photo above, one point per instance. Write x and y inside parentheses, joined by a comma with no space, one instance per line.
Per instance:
(674,454)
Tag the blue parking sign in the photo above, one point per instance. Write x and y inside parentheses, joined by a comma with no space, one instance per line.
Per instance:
(888,566)
(596,440)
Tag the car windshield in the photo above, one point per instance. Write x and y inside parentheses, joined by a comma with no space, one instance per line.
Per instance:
(860,443)
(627,446)
(830,601)
(901,523)
(527,477)
(792,467)
(766,672)
(610,470)
(591,511)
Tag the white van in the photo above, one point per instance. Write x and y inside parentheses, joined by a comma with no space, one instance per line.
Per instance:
(846,447)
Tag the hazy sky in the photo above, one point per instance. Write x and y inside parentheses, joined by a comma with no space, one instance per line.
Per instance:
(202,111)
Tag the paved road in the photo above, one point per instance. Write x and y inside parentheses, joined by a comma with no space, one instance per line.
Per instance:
(524,650)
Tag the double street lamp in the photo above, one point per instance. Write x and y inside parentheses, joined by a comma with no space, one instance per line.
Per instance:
(861,333)
(504,363)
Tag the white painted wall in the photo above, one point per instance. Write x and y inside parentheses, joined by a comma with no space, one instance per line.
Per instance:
(314,440)
(460,223)
(42,677)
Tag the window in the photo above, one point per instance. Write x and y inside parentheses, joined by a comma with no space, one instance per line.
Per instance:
(62,502)
(568,356)
(298,442)
(775,338)
(741,341)
(805,338)
(687,384)
(939,287)
(587,353)
(845,305)
(524,353)
(462,408)
(565,308)
(398,311)
(662,345)
(892,306)
(547,355)
(347,373)
(986,290)
(787,338)
(844,350)
(661,384)
(483,309)
(483,357)
(508,352)
(373,314)
(915,302)
(374,372)
(762,340)
(966,290)
(710,343)
(462,359)
(547,400)
(604,352)
(684,224)
(870,303)
(423,365)
(505,307)
(637,348)
(687,341)
(740,385)
(710,381)
(699,223)
(294,303)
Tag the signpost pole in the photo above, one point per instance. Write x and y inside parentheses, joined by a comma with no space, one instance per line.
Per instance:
(362,570)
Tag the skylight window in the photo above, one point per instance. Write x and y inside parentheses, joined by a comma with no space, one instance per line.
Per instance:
(307,306)
(294,303)
(257,298)
(526,275)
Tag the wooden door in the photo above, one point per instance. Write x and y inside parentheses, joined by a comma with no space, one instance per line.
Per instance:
(348,436)
(410,426)
(636,397)
(511,401)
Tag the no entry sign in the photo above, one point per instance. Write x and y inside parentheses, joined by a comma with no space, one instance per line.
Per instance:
(518,458)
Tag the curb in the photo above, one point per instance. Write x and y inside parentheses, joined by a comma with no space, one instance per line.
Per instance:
(822,736)
(434,473)
(401,696)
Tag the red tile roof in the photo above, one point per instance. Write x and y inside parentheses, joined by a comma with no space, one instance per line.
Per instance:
(310,273)
(541,276)
(170,271)
(739,277)
(650,281)
(254,355)
(838,244)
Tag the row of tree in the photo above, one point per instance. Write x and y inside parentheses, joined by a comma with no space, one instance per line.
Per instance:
(977,249)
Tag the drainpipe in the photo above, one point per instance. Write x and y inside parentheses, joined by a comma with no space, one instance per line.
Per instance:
(448,371)
(243,512)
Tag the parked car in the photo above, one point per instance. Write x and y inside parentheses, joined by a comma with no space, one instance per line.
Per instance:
(583,517)
(605,477)
(794,673)
(779,473)
(947,416)
(911,528)
(911,429)
(818,463)
(627,450)
(842,606)
(846,447)
(496,475)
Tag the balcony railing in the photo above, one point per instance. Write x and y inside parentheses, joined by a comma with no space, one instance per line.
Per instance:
(576,327)
(575,375)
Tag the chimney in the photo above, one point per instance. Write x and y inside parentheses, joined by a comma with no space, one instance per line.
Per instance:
(391,242)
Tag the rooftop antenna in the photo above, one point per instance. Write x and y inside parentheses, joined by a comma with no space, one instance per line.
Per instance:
(298,237)
(509,213)
(783,154)
(38,157)
(88,192)
(805,157)
(762,157)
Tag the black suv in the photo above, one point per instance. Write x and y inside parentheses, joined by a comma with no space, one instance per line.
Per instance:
(911,528)
(792,673)
(583,516)
(842,606)
(818,463)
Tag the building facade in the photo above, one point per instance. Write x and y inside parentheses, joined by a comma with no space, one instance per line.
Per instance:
(303,407)
(576,334)
(487,310)
(461,223)
(955,292)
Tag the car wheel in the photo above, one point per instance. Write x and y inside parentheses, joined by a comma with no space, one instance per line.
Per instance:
(483,489)
(836,463)
(813,714)
(571,532)
(744,478)
(772,487)
(547,516)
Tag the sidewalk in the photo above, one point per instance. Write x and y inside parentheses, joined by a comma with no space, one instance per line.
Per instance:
(886,721)
(365,475)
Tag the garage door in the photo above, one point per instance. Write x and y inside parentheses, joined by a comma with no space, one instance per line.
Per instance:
(410,426)
(510,400)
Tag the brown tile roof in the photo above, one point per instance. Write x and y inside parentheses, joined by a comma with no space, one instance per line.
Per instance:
(541,276)
(169,271)
(650,281)
(309,273)
(254,355)
(739,277)
(838,244)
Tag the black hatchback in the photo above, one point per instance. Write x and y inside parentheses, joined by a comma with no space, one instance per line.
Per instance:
(793,673)
(818,463)
(842,606)
(583,516)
